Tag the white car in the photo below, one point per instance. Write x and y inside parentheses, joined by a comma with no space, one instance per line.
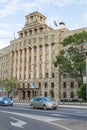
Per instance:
(43,102)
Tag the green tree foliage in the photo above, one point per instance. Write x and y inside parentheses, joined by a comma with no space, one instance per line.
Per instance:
(52,93)
(71,58)
(82,92)
(9,84)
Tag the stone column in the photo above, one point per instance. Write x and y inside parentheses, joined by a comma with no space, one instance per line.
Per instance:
(38,63)
(23,62)
(18,72)
(14,66)
(26,95)
(27,64)
(50,61)
(11,64)
(32,63)
(44,62)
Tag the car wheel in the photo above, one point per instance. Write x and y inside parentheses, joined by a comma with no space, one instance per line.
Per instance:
(44,107)
(32,106)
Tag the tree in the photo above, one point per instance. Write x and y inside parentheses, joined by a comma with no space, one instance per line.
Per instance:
(52,93)
(9,84)
(71,59)
(82,92)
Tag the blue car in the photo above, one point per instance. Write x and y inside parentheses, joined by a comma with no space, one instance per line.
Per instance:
(5,101)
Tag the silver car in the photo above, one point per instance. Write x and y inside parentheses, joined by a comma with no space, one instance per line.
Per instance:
(43,102)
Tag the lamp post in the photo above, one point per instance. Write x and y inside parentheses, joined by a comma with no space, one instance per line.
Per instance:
(86,74)
(85,51)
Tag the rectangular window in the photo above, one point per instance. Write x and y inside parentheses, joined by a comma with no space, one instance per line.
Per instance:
(52,75)
(72,85)
(64,95)
(64,85)
(45,85)
(47,75)
(72,94)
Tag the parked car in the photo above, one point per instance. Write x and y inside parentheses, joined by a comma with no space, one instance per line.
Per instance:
(43,102)
(5,101)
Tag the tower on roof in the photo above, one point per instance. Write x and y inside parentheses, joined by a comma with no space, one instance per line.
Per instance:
(35,16)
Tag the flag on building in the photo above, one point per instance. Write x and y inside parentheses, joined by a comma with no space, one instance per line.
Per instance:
(55,23)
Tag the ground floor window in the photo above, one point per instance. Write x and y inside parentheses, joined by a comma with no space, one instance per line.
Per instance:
(64,95)
(46,94)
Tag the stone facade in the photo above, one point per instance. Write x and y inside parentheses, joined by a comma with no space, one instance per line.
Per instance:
(30,59)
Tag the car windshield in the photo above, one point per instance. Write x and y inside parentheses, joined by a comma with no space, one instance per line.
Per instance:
(46,99)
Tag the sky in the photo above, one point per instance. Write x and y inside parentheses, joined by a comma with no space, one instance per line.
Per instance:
(12,15)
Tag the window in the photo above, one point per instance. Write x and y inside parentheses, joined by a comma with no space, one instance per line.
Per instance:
(53,47)
(72,94)
(41,29)
(28,85)
(46,75)
(39,84)
(29,76)
(47,66)
(72,85)
(52,75)
(52,85)
(45,85)
(40,75)
(23,85)
(40,18)
(35,31)
(40,66)
(64,85)
(47,48)
(46,39)
(64,94)
(47,57)
(30,32)
(52,38)
(29,59)
(31,18)
(40,39)
(40,57)
(45,94)
(35,58)
(41,49)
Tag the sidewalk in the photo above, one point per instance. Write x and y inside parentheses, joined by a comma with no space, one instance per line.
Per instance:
(74,106)
(80,105)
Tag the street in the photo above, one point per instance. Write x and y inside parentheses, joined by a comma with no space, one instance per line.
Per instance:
(21,116)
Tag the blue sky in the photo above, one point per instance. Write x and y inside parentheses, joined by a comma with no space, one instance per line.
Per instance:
(12,15)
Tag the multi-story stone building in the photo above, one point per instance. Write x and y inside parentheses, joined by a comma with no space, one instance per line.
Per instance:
(30,59)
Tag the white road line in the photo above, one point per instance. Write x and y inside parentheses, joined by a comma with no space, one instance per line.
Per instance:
(41,118)
(18,123)
(57,115)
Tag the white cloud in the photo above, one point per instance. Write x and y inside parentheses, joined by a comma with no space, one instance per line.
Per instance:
(3,1)
(10,8)
(15,5)
(85,16)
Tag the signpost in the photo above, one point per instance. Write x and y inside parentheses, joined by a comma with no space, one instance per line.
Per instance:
(33,86)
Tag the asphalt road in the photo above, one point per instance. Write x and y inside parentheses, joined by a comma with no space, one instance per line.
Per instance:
(23,117)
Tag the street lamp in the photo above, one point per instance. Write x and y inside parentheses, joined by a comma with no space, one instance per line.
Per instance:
(86,74)
(85,51)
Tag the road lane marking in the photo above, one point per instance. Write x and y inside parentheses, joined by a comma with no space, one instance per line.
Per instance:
(19,123)
(55,114)
(41,118)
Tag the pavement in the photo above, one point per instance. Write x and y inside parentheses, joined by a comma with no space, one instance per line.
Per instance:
(83,105)
(74,106)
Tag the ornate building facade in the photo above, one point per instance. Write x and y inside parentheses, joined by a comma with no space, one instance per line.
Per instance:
(30,59)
